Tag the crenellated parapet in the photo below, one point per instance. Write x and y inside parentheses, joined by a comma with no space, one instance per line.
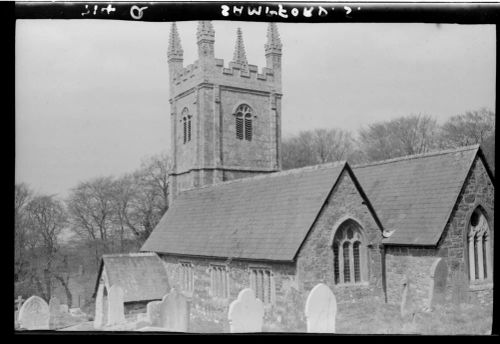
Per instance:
(208,69)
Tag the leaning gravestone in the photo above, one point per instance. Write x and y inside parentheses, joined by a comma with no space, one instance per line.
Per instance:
(321,310)
(34,314)
(246,313)
(174,312)
(116,311)
(54,306)
(154,313)
(439,275)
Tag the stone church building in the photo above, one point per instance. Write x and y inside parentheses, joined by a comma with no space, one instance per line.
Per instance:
(236,220)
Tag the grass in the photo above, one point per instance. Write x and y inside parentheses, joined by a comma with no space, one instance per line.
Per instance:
(372,317)
(381,318)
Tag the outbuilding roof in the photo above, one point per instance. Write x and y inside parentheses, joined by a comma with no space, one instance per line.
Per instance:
(142,276)
(262,218)
(415,195)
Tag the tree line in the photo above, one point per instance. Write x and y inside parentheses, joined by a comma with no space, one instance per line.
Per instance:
(116,214)
(407,135)
(101,215)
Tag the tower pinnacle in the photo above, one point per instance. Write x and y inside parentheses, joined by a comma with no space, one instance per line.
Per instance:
(273,44)
(175,51)
(239,55)
(205,35)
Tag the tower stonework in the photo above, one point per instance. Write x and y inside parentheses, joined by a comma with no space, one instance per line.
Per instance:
(225,121)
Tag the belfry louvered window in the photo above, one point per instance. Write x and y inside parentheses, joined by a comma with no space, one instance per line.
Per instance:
(479,247)
(349,254)
(244,125)
(186,125)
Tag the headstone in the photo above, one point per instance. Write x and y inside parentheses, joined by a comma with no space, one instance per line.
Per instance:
(439,274)
(64,308)
(321,310)
(154,313)
(407,308)
(246,313)
(174,312)
(459,288)
(19,302)
(16,316)
(101,308)
(76,312)
(34,314)
(116,311)
(54,306)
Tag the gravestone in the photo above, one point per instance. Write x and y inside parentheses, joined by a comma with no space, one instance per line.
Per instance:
(439,274)
(174,312)
(407,307)
(459,288)
(34,314)
(246,313)
(64,308)
(101,307)
(116,311)
(154,313)
(321,310)
(54,306)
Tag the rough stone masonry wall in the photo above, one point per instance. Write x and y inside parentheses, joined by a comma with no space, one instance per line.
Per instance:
(315,259)
(416,262)
(204,307)
(478,191)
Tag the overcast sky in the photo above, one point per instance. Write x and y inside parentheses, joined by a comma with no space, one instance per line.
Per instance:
(92,96)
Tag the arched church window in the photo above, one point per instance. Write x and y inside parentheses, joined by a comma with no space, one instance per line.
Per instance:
(479,247)
(243,118)
(186,125)
(349,254)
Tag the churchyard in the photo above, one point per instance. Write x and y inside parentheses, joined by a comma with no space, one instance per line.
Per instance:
(454,314)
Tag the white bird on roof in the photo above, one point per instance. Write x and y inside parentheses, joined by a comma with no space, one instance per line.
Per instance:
(387,234)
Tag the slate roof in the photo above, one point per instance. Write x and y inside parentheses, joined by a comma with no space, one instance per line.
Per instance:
(263,218)
(141,275)
(415,195)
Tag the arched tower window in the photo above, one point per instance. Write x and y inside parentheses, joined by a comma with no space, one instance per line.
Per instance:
(243,117)
(479,247)
(186,125)
(349,254)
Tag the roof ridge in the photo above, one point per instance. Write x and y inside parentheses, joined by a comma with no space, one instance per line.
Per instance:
(418,156)
(272,175)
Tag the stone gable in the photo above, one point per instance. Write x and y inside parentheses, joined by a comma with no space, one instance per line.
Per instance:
(315,259)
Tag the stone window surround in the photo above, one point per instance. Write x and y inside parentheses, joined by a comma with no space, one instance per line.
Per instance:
(223,267)
(364,252)
(186,267)
(272,287)
(482,284)
(186,125)
(248,113)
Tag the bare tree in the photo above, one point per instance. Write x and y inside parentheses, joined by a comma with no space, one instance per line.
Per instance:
(469,128)
(23,196)
(408,135)
(92,213)
(143,196)
(316,147)
(46,219)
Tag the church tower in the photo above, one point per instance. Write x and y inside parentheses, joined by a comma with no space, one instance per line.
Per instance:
(225,121)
